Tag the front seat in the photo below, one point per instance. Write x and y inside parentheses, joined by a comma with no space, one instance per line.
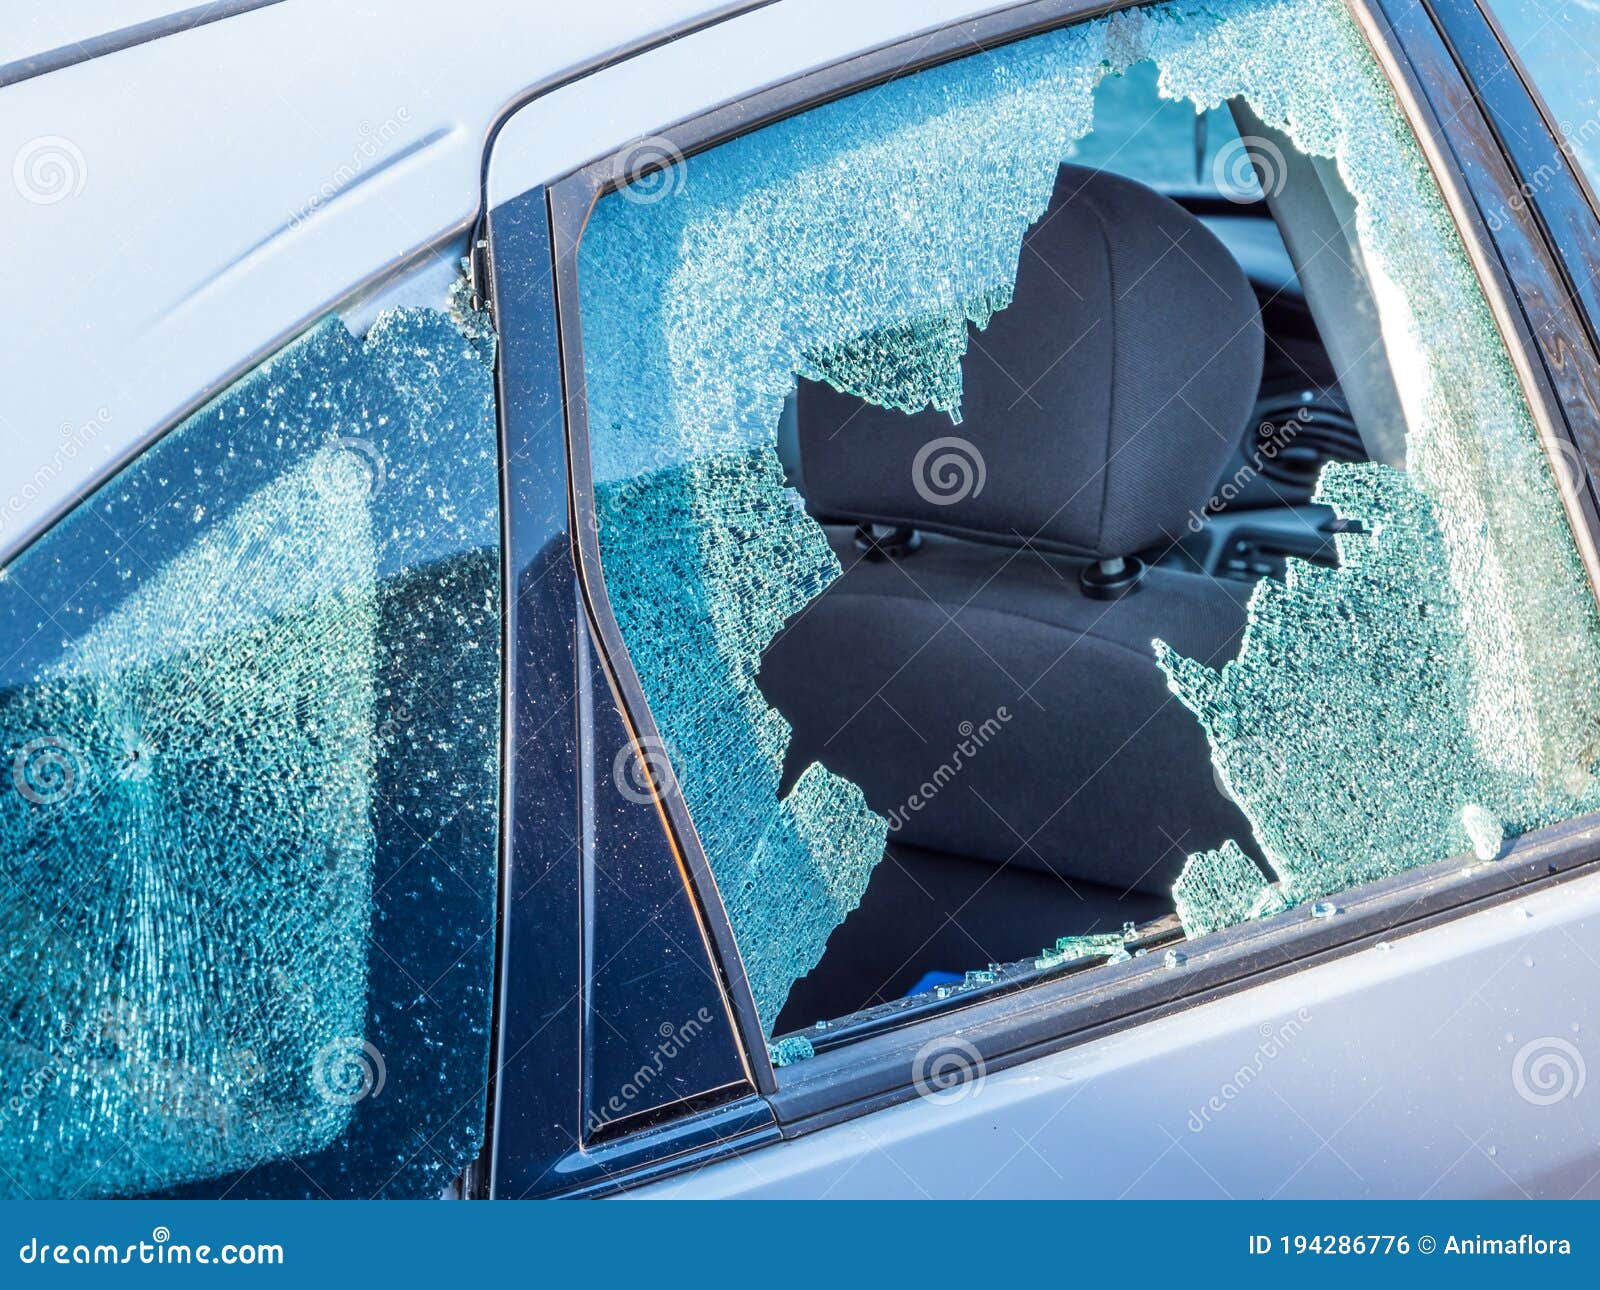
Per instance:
(989,682)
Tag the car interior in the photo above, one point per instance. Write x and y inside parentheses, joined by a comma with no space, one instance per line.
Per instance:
(1144,425)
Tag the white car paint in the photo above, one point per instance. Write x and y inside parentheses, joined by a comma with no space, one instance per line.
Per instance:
(217,189)
(222,187)
(559,132)
(1452,1063)
(34,29)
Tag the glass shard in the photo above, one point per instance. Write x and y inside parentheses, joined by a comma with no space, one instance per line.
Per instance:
(791,1049)
(1220,888)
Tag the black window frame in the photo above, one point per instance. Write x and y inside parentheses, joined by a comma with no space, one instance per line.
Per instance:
(562,727)
(1552,343)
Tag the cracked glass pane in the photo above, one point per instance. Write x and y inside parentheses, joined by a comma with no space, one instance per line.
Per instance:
(249,712)
(1559,45)
(940,402)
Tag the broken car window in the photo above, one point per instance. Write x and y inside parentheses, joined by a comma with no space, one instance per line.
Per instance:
(249,715)
(1008,553)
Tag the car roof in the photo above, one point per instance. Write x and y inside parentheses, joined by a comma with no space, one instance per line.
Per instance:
(185,195)
(189,191)
(42,36)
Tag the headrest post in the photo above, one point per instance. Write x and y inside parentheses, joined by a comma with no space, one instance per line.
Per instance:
(1112,578)
(886,541)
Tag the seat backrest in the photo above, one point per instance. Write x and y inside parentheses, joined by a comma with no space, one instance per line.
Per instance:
(1103,402)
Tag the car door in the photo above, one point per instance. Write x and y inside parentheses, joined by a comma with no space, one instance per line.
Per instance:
(252,604)
(1400,1007)
(402,701)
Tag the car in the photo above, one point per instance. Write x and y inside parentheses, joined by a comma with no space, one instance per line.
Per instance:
(959,599)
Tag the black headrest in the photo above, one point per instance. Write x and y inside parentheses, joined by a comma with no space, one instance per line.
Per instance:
(1102,405)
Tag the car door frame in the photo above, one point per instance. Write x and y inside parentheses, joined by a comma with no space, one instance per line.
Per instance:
(862,1068)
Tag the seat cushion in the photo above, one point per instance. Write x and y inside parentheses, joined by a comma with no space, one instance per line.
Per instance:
(992,711)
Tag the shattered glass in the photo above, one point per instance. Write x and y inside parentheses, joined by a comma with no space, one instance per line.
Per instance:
(249,716)
(908,366)
(1069,949)
(1222,887)
(1433,688)
(679,572)
(1434,693)
(791,1049)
